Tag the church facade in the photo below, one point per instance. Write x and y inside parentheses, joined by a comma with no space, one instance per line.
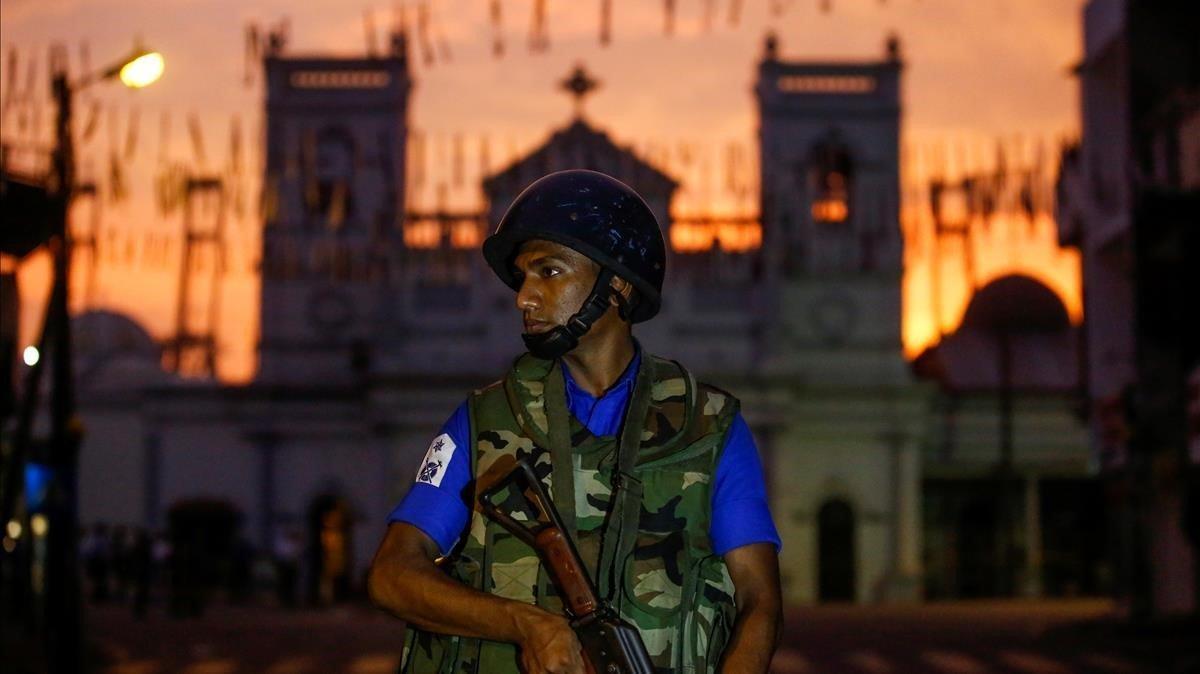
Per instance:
(373,332)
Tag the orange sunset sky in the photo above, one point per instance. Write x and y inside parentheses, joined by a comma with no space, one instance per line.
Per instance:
(976,72)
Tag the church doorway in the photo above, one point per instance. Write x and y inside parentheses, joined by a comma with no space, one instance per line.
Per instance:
(205,552)
(978,549)
(329,548)
(836,569)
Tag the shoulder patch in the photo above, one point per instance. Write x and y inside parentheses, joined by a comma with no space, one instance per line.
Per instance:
(437,460)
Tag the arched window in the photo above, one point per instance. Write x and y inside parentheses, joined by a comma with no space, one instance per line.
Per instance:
(836,569)
(328,191)
(830,178)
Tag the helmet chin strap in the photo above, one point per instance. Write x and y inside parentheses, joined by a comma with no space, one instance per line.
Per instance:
(560,339)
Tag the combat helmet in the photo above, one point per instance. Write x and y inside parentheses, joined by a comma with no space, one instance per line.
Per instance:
(600,217)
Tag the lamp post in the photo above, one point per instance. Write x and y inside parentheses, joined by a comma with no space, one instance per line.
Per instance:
(62,598)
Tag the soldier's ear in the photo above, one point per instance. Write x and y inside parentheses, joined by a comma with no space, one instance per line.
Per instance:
(624,299)
(622,286)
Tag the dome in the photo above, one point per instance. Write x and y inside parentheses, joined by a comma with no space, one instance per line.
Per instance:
(1016,304)
(113,353)
(103,335)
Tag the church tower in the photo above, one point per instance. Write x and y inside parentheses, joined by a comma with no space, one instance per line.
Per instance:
(830,137)
(333,193)
(829,152)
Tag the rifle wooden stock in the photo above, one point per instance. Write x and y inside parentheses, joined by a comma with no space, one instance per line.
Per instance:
(610,644)
(567,572)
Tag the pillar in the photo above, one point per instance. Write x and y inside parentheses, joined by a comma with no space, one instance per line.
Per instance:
(1032,587)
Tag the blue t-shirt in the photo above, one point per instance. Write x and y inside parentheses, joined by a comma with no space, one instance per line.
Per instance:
(437,505)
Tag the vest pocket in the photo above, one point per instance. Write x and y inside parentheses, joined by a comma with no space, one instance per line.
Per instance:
(654,573)
(709,622)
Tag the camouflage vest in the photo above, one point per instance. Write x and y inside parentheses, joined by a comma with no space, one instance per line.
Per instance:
(668,581)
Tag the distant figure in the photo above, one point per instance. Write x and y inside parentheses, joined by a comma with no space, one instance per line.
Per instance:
(240,564)
(331,586)
(287,561)
(160,552)
(187,591)
(122,548)
(96,554)
(141,570)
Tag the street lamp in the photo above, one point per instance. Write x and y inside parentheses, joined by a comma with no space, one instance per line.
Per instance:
(63,636)
(143,70)
(140,68)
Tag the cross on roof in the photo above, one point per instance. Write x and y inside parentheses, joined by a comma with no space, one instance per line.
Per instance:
(579,85)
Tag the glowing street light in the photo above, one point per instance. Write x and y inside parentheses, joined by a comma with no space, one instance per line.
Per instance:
(142,70)
(31,355)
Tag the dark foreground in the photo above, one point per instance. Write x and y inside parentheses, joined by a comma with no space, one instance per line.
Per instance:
(1026,637)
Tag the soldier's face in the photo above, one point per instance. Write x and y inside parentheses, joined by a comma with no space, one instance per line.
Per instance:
(555,281)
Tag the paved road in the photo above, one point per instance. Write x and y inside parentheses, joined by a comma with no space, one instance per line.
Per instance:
(960,638)
(1020,637)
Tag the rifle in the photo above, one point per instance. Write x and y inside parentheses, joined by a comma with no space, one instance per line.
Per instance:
(610,645)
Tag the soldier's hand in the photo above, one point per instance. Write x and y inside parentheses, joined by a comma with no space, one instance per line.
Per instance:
(549,646)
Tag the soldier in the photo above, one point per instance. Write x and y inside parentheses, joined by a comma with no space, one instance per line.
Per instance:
(666,502)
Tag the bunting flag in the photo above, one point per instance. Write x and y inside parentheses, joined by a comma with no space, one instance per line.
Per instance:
(58,61)
(235,145)
(170,186)
(10,79)
(685,153)
(423,36)
(197,137)
(277,38)
(93,121)
(131,133)
(233,173)
(117,189)
(732,168)
(539,36)
(31,80)
(457,169)
(417,148)
(130,251)
(497,29)
(605,22)
(735,12)
(164,136)
(485,162)
(30,121)
(251,53)
(399,18)
(270,199)
(369,33)
(1001,167)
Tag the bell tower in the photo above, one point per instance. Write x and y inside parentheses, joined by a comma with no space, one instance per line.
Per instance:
(830,136)
(333,195)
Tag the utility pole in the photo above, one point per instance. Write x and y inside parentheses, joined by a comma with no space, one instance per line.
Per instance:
(62,545)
